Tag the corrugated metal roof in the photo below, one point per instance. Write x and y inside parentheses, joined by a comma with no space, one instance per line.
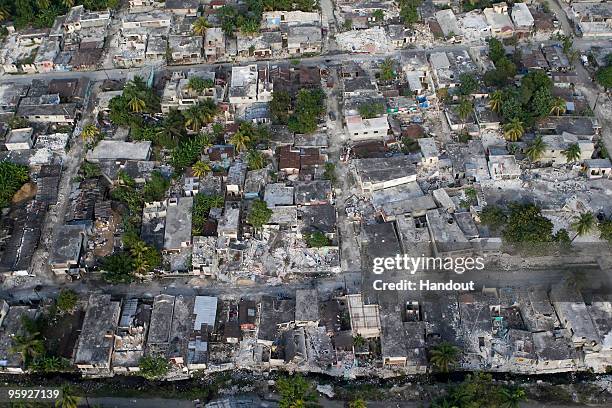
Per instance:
(205,311)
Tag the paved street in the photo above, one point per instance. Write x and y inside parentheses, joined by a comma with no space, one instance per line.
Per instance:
(100,75)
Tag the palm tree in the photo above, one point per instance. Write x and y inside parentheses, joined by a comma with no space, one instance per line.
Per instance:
(136,104)
(512,398)
(558,107)
(4,13)
(464,110)
(200,26)
(256,160)
(208,110)
(536,149)
(43,4)
(90,132)
(193,118)
(386,70)
(495,101)
(200,168)
(68,3)
(138,252)
(444,356)
(572,153)
(584,223)
(358,403)
(513,130)
(29,346)
(138,82)
(68,399)
(240,140)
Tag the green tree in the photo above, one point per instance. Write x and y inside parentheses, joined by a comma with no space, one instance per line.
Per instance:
(12,178)
(541,103)
(358,403)
(153,367)
(495,101)
(562,237)
(371,110)
(409,13)
(29,345)
(193,118)
(280,106)
(4,13)
(513,130)
(24,13)
(558,107)
(605,230)
(256,160)
(583,224)
(464,109)
(330,172)
(199,84)
(136,104)
(90,170)
(189,151)
(378,15)
(90,132)
(200,168)
(67,399)
(536,149)
(200,26)
(468,84)
(145,258)
(572,153)
(444,356)
(387,72)
(50,364)
(309,106)
(240,140)
(527,225)
(67,301)
(496,50)
(259,215)
(172,130)
(604,77)
(296,392)
(228,16)
(317,239)
(117,268)
(156,187)
(493,217)
(512,397)
(208,110)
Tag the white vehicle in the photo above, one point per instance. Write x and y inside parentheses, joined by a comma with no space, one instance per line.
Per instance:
(585,60)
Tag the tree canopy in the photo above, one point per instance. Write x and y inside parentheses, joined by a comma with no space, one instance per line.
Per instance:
(12,177)
(117,268)
(155,189)
(67,300)
(280,105)
(309,106)
(479,390)
(526,224)
(259,215)
(371,110)
(153,367)
(317,239)
(296,391)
